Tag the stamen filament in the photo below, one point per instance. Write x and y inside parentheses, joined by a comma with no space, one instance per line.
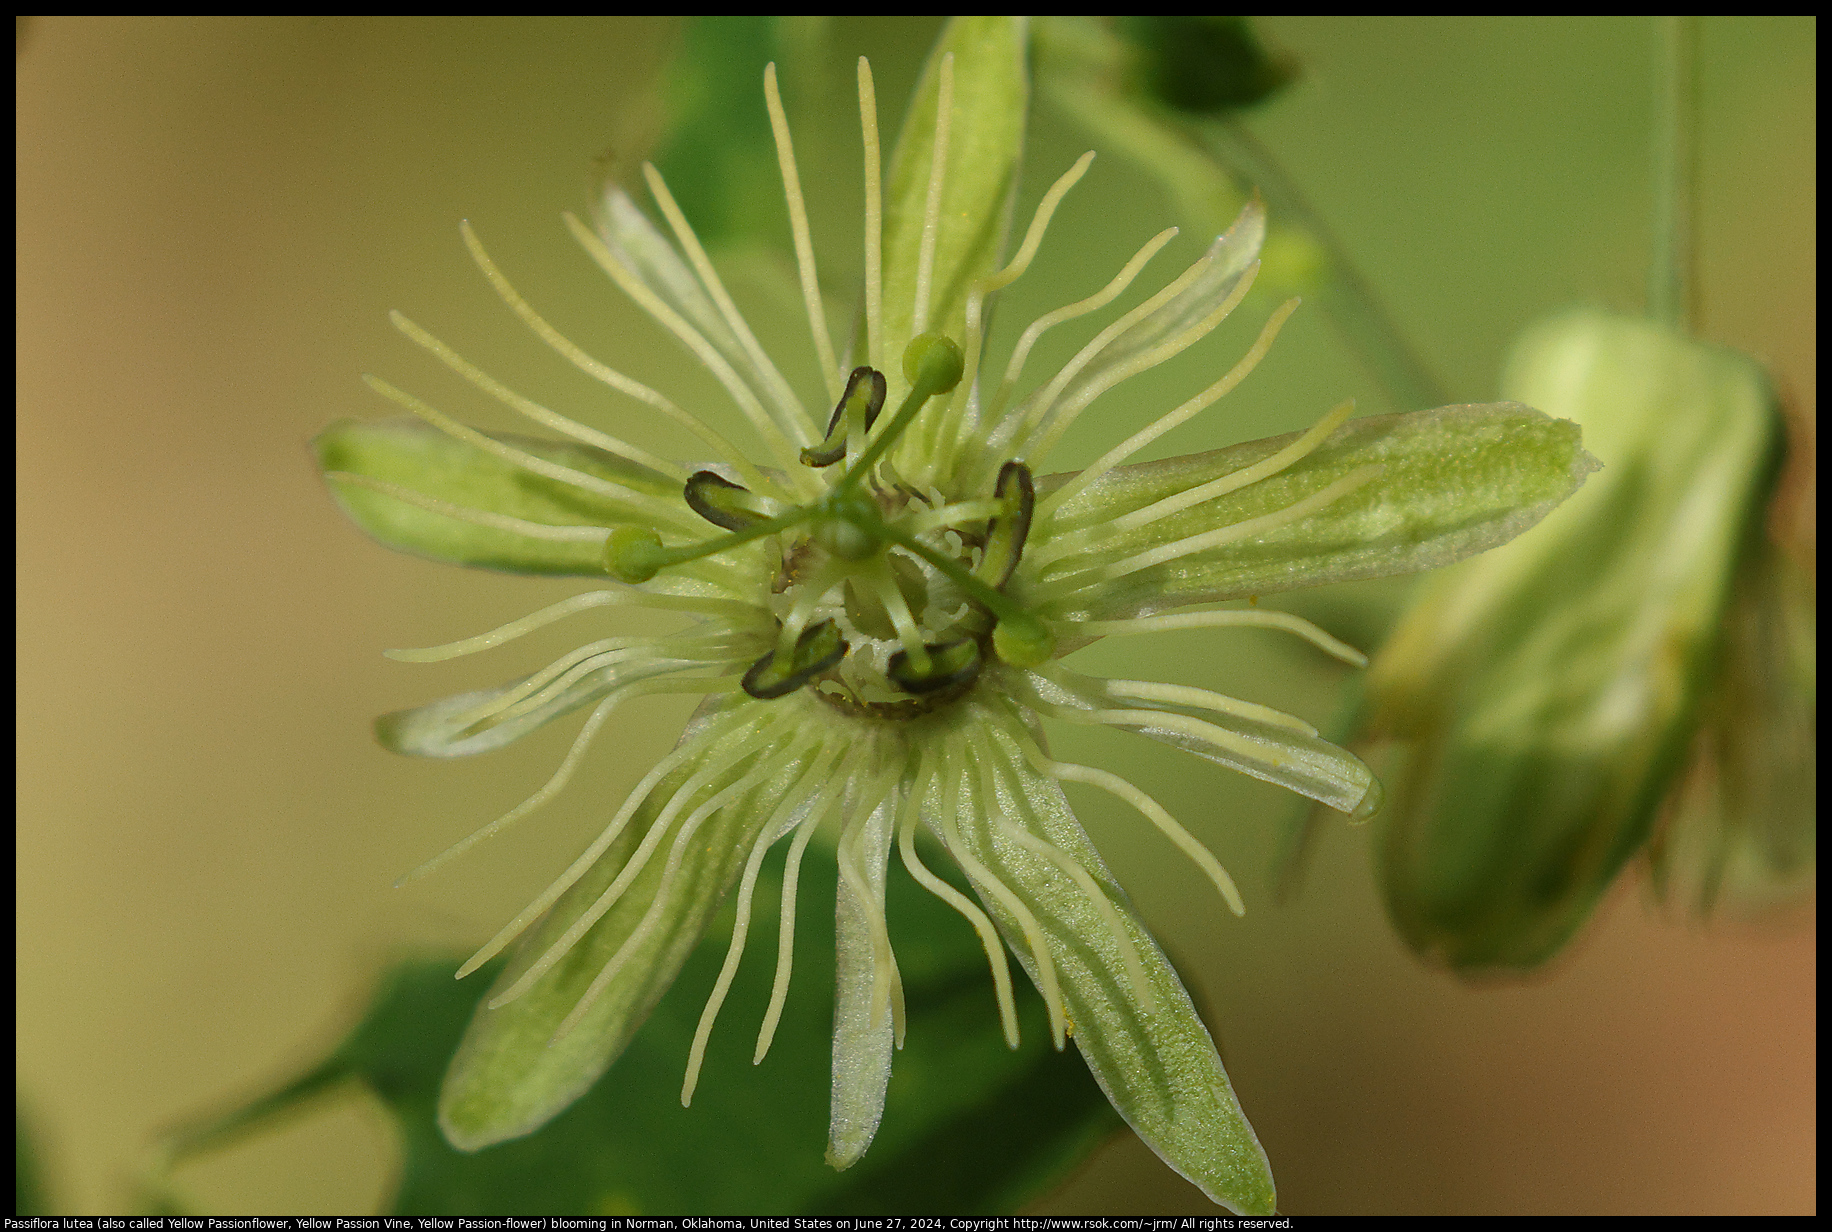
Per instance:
(534,410)
(785,920)
(1132,444)
(982,924)
(790,408)
(1226,619)
(804,244)
(730,453)
(1153,812)
(931,213)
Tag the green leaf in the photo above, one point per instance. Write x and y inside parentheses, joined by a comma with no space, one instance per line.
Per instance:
(1541,697)
(374,468)
(985,141)
(1451,483)
(971,1127)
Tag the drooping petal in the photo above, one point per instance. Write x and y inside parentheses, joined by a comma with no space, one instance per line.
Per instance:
(1383,495)
(374,469)
(1146,1046)
(866,1008)
(515,1069)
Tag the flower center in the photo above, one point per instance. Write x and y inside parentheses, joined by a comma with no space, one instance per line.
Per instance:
(888,600)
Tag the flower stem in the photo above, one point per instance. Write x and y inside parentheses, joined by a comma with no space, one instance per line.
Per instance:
(1671,286)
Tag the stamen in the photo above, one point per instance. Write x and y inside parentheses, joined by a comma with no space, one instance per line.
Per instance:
(798,226)
(874,218)
(477,517)
(734,952)
(531,409)
(1132,444)
(800,423)
(931,213)
(955,762)
(780,444)
(1154,812)
(1227,619)
(719,736)
(727,451)
(785,927)
(1014,367)
(982,924)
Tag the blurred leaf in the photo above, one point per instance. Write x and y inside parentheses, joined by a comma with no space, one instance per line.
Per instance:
(1205,64)
(970,1126)
(28,1184)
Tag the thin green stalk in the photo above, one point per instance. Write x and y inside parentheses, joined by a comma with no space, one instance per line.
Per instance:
(1671,285)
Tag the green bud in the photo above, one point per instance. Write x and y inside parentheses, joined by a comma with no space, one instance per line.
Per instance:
(1541,696)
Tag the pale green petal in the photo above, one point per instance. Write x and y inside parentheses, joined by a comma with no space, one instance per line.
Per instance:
(510,1075)
(414,457)
(862,1046)
(1451,482)
(985,142)
(1158,1065)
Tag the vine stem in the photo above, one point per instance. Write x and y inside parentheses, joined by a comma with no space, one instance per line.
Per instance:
(1672,287)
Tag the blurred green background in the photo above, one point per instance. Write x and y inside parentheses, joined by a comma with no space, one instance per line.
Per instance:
(215,216)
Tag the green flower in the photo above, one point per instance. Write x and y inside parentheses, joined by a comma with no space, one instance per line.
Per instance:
(877,611)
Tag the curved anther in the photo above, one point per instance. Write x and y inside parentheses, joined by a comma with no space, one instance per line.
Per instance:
(817,649)
(951,665)
(1006,534)
(725,504)
(865,390)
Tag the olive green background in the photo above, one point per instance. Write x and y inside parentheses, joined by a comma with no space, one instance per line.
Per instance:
(215,216)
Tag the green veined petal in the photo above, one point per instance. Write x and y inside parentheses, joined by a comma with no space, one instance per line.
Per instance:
(511,1075)
(1389,494)
(1156,1062)
(985,141)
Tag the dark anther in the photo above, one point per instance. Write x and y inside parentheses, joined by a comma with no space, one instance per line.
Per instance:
(865,386)
(722,502)
(951,664)
(817,649)
(1006,533)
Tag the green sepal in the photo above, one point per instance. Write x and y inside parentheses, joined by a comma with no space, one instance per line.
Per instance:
(511,1075)
(412,455)
(1453,482)
(985,142)
(1158,1064)
(1541,698)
